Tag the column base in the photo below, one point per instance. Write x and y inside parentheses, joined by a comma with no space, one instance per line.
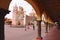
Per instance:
(39,38)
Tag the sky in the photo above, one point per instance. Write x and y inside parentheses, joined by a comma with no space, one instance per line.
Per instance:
(27,7)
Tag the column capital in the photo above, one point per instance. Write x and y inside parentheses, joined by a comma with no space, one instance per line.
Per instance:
(38,20)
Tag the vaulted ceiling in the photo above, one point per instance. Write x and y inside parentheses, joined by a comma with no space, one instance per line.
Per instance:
(52,8)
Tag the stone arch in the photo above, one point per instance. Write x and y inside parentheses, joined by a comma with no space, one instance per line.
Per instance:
(34,5)
(5,4)
(36,8)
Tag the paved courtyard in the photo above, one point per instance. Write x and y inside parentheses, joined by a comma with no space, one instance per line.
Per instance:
(12,33)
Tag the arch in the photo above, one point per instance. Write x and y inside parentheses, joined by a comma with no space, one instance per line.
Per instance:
(47,18)
(36,9)
(5,4)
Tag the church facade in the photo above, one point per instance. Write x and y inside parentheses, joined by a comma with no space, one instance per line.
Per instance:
(18,16)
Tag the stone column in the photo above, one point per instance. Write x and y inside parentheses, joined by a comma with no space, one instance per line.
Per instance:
(49,26)
(39,29)
(58,25)
(46,27)
(3,12)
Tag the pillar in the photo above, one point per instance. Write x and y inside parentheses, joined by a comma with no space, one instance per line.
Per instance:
(3,12)
(58,25)
(39,30)
(46,27)
(49,26)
